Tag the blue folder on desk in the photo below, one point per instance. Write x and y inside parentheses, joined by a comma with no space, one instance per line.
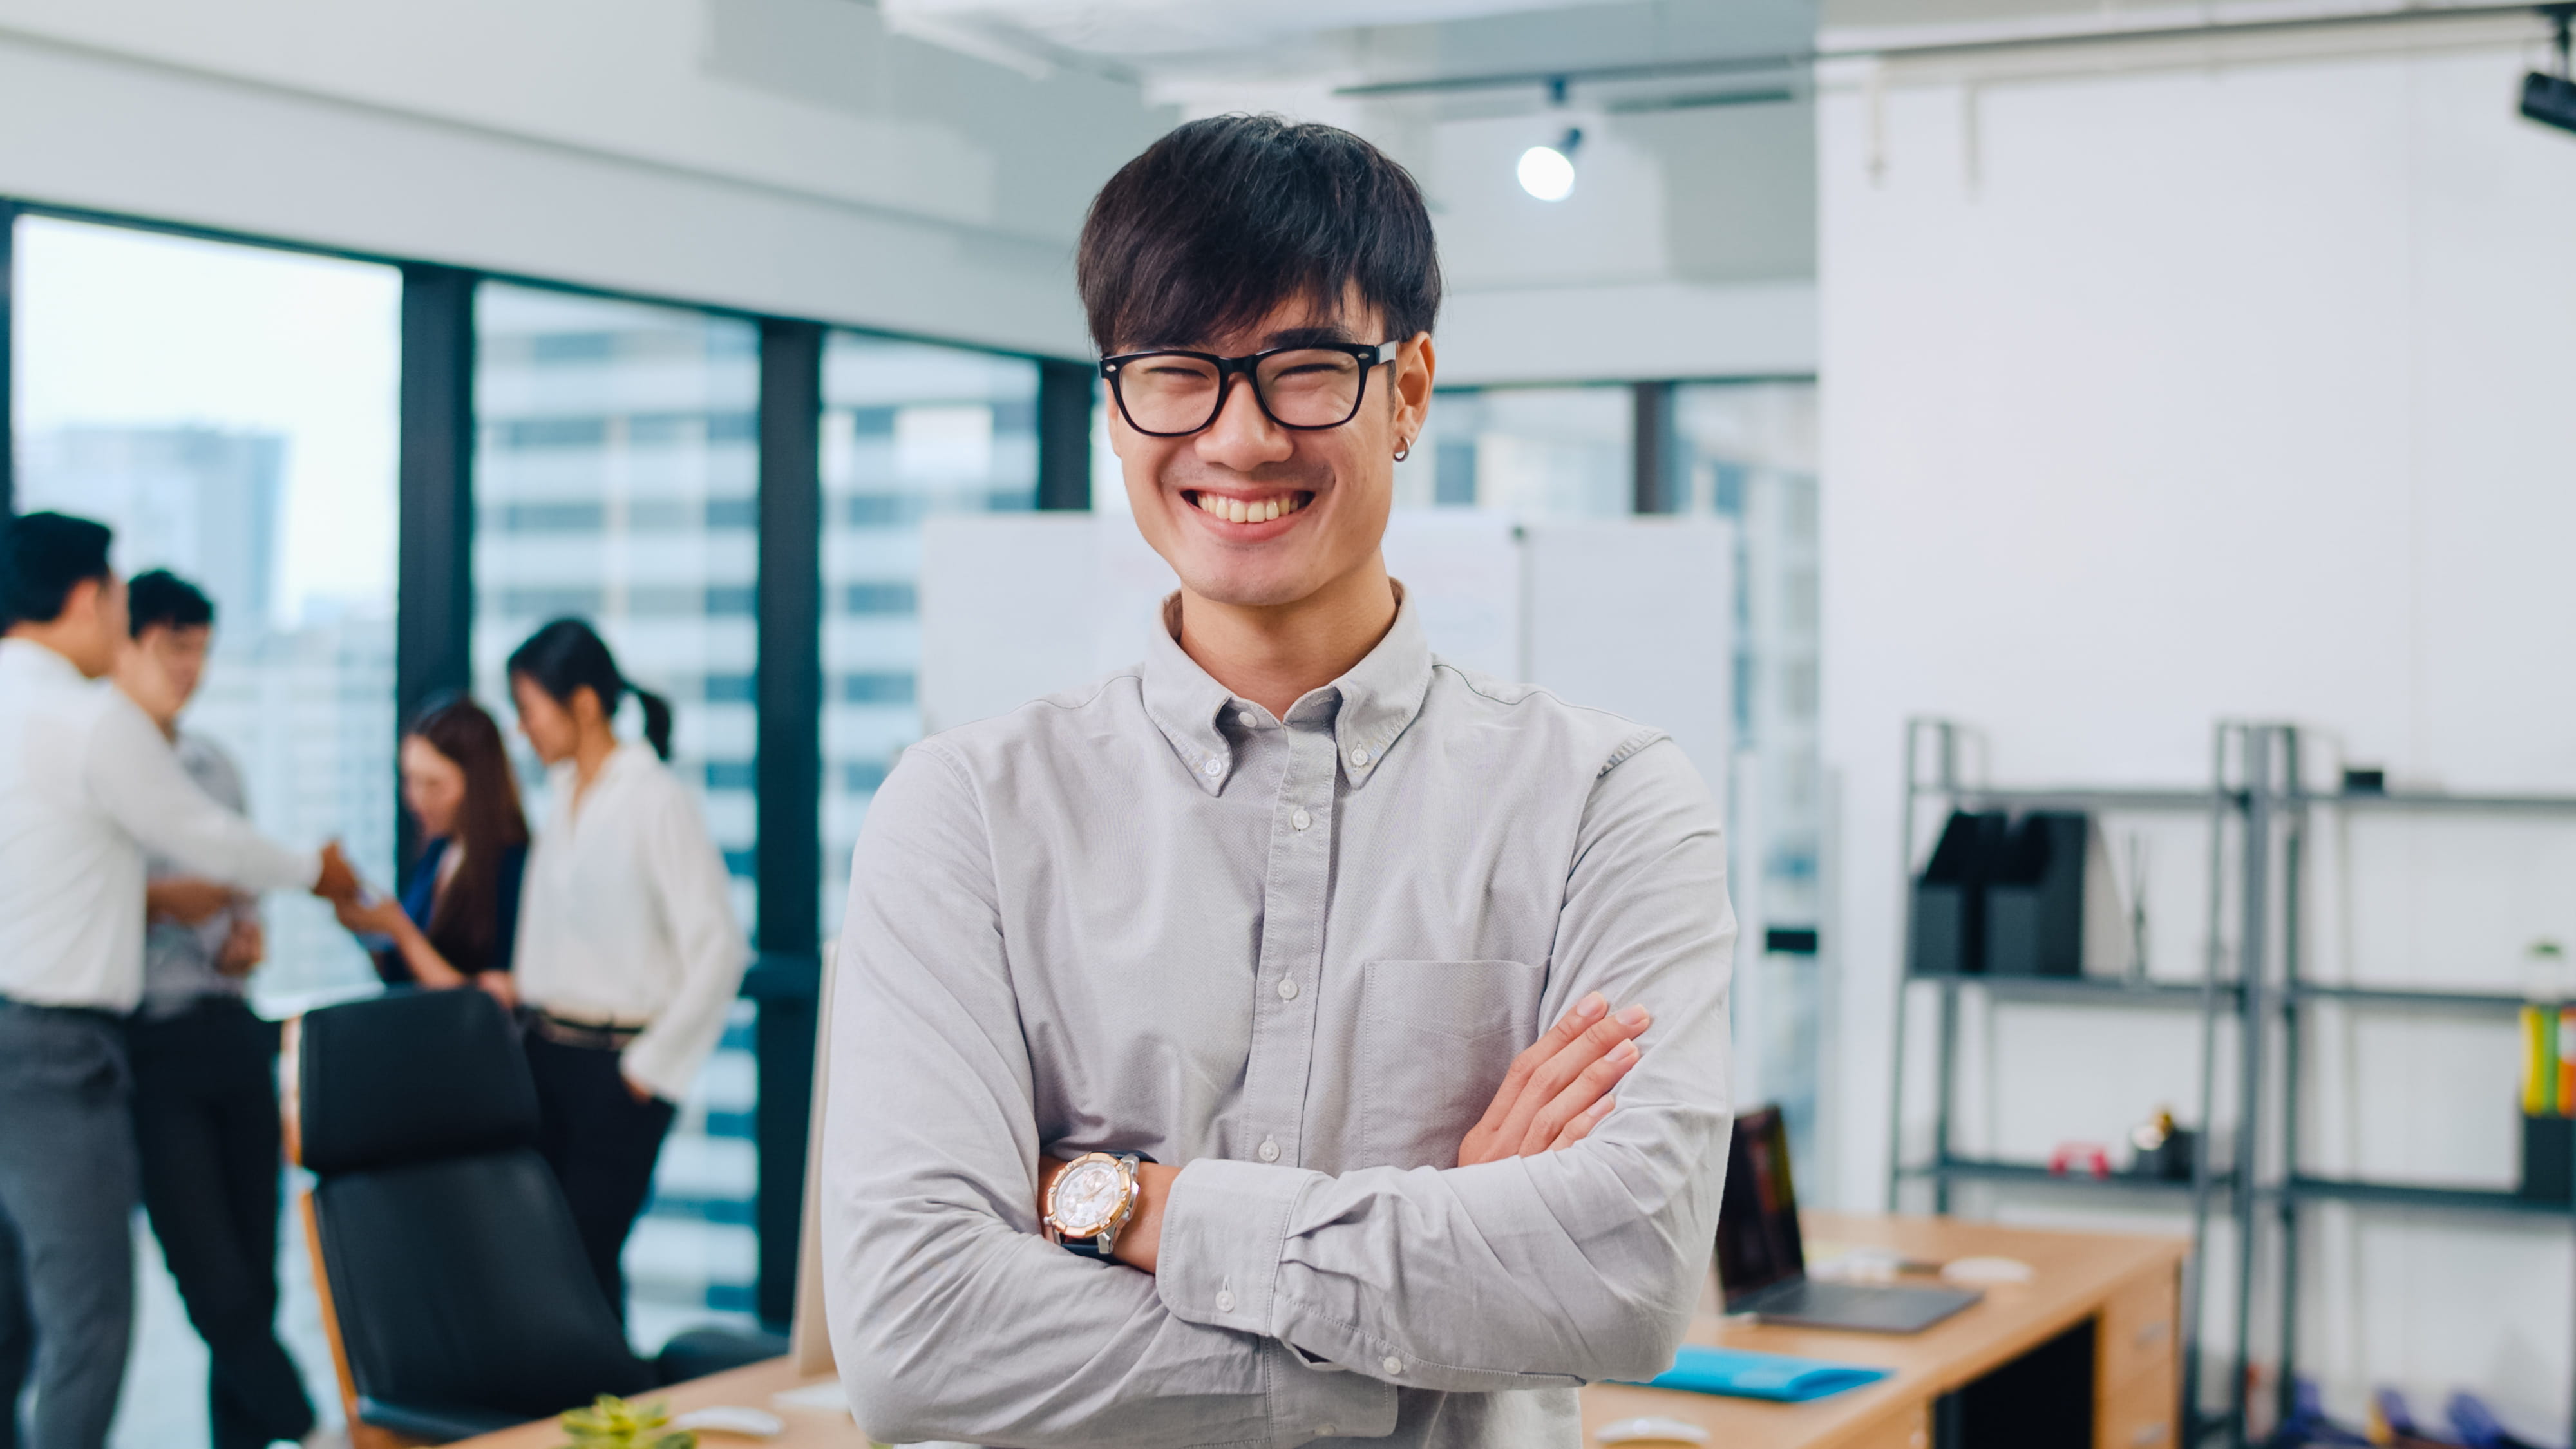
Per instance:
(1773,1376)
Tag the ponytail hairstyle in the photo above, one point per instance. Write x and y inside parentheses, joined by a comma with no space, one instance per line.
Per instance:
(568,656)
(464,923)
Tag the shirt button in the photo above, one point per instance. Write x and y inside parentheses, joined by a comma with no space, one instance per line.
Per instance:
(1359,758)
(1248,720)
(1287,988)
(1391,1364)
(1327,1431)
(1224,1301)
(1214,767)
(1301,819)
(1269,1150)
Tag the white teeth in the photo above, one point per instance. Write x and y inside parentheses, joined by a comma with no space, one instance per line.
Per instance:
(1235,510)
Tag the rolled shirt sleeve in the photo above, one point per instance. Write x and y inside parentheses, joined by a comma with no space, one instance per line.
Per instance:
(950,1316)
(1562,1268)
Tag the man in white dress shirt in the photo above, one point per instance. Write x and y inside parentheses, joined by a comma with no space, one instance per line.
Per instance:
(87,784)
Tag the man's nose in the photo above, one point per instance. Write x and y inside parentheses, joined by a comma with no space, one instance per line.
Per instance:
(1243,436)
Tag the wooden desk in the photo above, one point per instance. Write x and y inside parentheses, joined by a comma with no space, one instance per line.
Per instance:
(743,1388)
(2130,1285)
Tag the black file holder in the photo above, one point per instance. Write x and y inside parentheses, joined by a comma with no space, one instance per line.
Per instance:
(1949,936)
(2549,1159)
(2035,898)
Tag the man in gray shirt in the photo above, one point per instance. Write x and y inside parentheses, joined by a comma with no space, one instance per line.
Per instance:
(206,1126)
(1189,1084)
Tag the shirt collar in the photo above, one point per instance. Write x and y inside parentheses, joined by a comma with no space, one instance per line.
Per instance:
(26,656)
(1373,703)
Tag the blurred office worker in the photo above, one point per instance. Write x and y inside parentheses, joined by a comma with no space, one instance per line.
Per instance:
(458,919)
(88,783)
(629,955)
(205,1066)
(1234,964)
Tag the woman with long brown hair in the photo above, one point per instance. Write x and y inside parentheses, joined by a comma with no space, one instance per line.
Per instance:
(458,920)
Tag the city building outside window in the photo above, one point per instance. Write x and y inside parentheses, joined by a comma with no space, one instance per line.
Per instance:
(910,429)
(615,478)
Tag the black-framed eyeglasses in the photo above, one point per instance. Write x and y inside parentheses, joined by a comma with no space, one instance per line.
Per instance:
(1175,394)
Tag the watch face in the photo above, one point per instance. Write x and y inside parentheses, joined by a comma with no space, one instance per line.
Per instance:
(1087,1196)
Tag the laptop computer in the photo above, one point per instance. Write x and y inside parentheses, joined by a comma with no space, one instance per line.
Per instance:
(1762,1262)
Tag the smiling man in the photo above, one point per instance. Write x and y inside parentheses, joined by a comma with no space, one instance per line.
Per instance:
(1189,1084)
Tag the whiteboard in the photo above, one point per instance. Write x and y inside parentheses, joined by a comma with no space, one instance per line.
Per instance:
(1634,615)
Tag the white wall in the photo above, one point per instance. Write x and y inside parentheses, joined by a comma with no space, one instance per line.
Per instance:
(777,155)
(2236,390)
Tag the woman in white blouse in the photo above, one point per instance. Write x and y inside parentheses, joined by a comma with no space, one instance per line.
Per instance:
(628,952)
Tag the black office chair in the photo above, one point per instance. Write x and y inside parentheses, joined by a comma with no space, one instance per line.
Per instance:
(454,1288)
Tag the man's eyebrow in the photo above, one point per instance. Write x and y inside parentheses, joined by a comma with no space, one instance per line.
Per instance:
(1332,335)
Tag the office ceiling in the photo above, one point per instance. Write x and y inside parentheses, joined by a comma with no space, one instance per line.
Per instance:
(1353,42)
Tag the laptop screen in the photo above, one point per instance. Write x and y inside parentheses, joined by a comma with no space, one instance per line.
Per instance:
(1757,1215)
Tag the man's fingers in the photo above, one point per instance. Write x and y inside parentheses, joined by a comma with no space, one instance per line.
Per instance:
(1562,1070)
(1587,1011)
(1589,1088)
(1581,1127)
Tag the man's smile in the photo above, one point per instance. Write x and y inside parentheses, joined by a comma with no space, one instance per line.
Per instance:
(1249,506)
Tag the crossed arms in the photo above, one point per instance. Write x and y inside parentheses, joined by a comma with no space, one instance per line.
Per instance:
(952,1318)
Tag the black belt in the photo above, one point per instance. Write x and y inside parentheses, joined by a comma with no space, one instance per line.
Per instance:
(99,1014)
(604,1036)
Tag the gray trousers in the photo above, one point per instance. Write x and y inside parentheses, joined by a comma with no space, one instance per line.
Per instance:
(68,1183)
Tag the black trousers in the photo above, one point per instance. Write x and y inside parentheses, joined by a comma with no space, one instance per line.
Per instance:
(206,1129)
(602,1144)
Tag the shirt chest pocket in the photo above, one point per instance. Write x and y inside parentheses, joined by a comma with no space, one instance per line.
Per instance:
(1435,1040)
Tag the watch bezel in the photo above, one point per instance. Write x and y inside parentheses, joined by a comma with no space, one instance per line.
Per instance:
(1118,1215)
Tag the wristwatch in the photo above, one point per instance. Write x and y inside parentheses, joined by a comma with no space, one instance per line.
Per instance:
(1093,1197)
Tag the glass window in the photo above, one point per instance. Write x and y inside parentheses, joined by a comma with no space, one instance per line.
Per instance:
(909,430)
(614,479)
(1536,452)
(231,412)
(1748,453)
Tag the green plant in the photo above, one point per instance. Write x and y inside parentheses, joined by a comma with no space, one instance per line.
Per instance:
(612,1423)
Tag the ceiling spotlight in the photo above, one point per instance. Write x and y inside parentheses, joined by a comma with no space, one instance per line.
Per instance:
(1547,172)
(2551,99)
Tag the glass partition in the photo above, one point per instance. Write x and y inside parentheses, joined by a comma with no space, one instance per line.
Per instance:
(1536,452)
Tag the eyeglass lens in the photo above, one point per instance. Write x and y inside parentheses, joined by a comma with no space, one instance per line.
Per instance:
(1170,393)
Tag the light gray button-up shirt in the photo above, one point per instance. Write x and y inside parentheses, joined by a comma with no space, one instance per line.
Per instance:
(1296,957)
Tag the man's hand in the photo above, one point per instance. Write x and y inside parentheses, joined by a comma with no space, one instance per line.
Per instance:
(244,948)
(1559,1089)
(339,879)
(499,986)
(186,900)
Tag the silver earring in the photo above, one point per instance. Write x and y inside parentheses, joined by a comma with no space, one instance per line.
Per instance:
(1404,452)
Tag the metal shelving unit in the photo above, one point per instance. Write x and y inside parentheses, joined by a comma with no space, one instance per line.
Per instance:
(2232,805)
(2298,1189)
(2256,800)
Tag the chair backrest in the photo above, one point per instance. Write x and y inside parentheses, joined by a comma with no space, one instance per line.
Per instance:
(455,1279)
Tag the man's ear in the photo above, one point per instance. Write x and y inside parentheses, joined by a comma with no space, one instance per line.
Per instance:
(82,601)
(1415,368)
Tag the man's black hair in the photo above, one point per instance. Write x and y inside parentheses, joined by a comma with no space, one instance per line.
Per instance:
(161,599)
(42,557)
(1223,220)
